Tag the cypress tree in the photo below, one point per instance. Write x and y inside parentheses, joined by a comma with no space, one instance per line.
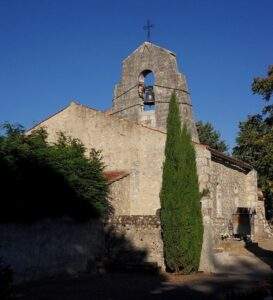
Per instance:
(181,219)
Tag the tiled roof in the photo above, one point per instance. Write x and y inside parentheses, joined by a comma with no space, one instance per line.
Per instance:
(115,175)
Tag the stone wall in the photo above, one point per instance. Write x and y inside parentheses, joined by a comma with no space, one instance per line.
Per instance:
(162,62)
(144,233)
(262,229)
(59,247)
(226,187)
(139,151)
(120,195)
(49,248)
(125,145)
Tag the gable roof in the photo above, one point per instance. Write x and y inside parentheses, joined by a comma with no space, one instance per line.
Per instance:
(215,155)
(115,175)
(149,44)
(230,161)
(105,113)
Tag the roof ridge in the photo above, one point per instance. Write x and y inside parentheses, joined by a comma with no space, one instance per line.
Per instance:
(151,44)
(74,103)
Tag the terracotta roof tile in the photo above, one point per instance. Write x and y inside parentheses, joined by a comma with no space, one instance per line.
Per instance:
(115,175)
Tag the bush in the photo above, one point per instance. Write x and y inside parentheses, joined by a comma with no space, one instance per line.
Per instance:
(41,180)
(181,218)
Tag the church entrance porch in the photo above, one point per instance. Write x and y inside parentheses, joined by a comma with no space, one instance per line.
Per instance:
(242,221)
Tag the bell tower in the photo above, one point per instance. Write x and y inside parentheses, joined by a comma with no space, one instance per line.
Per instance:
(148,102)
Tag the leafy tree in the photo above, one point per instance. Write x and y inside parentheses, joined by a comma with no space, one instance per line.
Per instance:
(209,136)
(255,146)
(181,219)
(40,180)
(264,87)
(255,139)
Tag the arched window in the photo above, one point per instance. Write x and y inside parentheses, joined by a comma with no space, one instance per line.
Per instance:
(146,89)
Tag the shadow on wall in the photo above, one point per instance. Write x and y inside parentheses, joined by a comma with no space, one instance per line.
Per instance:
(41,180)
(53,200)
(63,246)
(102,264)
(34,190)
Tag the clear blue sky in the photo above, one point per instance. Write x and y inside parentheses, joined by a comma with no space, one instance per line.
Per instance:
(52,51)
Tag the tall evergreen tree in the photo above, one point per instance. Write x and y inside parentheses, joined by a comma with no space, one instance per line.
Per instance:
(181,218)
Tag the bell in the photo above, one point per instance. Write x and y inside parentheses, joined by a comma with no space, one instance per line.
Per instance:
(149,95)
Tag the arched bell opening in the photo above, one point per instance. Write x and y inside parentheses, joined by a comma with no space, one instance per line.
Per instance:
(146,89)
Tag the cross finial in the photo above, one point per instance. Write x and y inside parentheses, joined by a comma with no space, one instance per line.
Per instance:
(148,27)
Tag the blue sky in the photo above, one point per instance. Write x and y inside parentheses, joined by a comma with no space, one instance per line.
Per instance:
(54,51)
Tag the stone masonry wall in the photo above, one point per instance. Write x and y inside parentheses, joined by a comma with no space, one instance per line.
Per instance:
(49,248)
(126,146)
(139,151)
(144,232)
(228,191)
(120,195)
(226,188)
(127,101)
(64,247)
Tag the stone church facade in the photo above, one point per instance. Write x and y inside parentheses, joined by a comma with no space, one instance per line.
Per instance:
(131,135)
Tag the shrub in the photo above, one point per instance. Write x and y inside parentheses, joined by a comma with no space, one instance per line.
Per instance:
(41,180)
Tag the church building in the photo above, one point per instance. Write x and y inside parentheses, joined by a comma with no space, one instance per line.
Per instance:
(131,135)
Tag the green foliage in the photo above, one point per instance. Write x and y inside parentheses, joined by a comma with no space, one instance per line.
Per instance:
(255,146)
(40,180)
(255,139)
(209,136)
(181,218)
(264,87)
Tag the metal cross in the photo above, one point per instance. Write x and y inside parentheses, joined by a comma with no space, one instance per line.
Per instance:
(148,28)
